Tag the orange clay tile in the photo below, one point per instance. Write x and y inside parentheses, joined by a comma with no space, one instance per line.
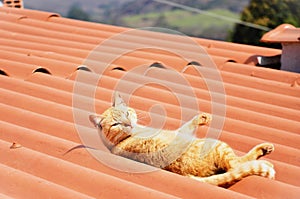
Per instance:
(49,85)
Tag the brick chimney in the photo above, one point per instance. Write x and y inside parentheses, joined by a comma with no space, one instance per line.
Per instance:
(289,37)
(13,3)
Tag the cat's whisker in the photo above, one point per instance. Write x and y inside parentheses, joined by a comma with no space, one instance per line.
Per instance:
(138,114)
(142,123)
(142,117)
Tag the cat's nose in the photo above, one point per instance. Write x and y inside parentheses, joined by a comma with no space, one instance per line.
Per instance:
(128,125)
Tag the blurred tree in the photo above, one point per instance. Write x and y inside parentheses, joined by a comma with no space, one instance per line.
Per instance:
(161,21)
(76,12)
(269,13)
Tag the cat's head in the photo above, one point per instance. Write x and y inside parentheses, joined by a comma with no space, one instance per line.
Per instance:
(116,122)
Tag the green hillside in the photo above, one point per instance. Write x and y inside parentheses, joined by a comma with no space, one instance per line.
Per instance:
(143,13)
(186,22)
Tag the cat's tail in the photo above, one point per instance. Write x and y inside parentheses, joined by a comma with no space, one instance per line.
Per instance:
(255,167)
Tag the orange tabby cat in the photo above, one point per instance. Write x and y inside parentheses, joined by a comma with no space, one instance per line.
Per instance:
(205,160)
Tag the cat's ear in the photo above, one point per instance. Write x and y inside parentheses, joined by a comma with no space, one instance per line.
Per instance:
(117,101)
(96,119)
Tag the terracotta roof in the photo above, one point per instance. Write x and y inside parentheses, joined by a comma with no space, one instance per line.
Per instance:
(283,33)
(50,68)
(13,3)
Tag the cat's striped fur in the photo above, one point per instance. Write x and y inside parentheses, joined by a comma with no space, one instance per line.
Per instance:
(205,160)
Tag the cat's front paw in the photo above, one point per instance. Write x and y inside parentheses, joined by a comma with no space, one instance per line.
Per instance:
(203,119)
(265,148)
(262,150)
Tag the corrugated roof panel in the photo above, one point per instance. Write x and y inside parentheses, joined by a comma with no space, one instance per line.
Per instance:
(52,85)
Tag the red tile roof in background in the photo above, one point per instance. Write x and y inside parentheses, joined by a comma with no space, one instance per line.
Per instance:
(285,33)
(262,105)
(13,3)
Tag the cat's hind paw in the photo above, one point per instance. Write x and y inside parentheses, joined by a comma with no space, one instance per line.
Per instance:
(267,169)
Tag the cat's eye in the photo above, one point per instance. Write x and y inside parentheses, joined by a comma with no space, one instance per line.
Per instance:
(126,125)
(116,124)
